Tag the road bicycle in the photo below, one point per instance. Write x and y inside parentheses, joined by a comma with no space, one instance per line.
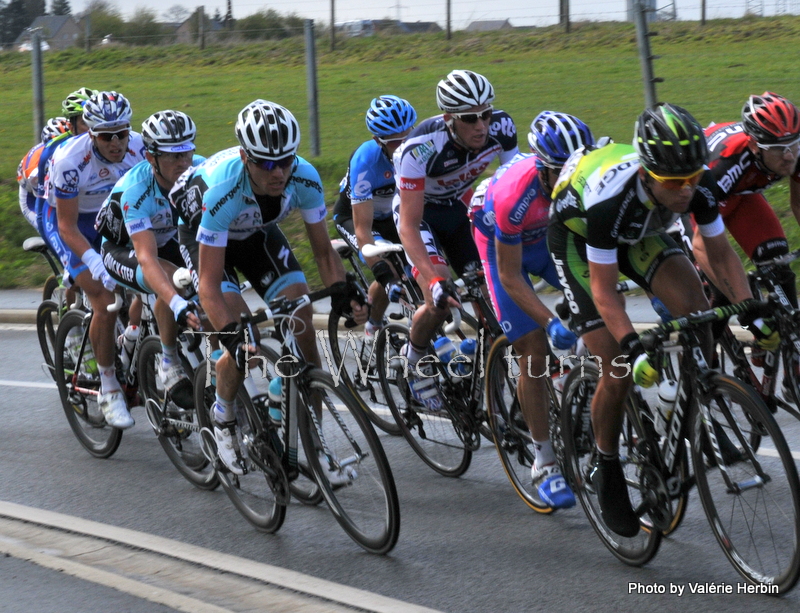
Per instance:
(744,472)
(320,420)
(359,371)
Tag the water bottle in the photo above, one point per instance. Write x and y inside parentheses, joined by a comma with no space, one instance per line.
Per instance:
(467,349)
(667,393)
(127,341)
(275,390)
(89,363)
(444,349)
(215,356)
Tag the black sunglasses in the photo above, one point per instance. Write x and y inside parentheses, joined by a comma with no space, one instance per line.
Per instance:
(107,137)
(474,117)
(283,163)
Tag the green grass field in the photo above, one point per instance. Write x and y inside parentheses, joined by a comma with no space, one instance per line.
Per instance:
(594,73)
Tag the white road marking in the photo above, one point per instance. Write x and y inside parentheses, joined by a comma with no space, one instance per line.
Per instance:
(34,384)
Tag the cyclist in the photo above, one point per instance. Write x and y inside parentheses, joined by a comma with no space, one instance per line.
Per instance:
(611,209)
(28,169)
(245,192)
(510,232)
(436,167)
(82,173)
(363,212)
(140,245)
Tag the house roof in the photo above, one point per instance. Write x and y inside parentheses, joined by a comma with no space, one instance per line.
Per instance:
(419,26)
(489,25)
(50,25)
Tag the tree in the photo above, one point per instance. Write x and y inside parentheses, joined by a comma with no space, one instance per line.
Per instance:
(104,19)
(262,25)
(143,29)
(177,13)
(61,7)
(34,8)
(217,16)
(13,21)
(228,21)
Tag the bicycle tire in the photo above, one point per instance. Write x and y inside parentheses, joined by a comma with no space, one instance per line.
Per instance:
(261,500)
(512,439)
(579,451)
(80,407)
(52,288)
(367,506)
(432,437)
(763,550)
(791,377)
(361,377)
(46,328)
(182,444)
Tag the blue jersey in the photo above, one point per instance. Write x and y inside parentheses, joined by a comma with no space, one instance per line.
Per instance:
(230,210)
(370,176)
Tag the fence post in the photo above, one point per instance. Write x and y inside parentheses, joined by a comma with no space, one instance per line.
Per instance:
(88,34)
(311,87)
(38,84)
(645,56)
(201,29)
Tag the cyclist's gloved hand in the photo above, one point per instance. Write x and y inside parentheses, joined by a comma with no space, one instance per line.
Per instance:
(182,309)
(385,276)
(561,336)
(644,374)
(441,290)
(763,329)
(108,281)
(236,345)
(94,263)
(394,291)
(661,309)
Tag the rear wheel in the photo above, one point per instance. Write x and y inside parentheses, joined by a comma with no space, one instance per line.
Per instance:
(177,429)
(79,387)
(261,494)
(751,498)
(580,455)
(46,326)
(342,447)
(433,437)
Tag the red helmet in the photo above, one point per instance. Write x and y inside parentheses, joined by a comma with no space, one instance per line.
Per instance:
(771,119)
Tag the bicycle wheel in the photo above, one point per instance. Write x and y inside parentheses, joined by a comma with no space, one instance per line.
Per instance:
(79,387)
(751,500)
(791,376)
(434,438)
(579,451)
(46,326)
(359,371)
(512,438)
(366,505)
(260,494)
(177,429)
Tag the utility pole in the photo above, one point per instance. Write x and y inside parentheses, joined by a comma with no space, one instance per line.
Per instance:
(449,32)
(87,35)
(645,56)
(38,83)
(311,87)
(201,26)
(333,25)
(564,14)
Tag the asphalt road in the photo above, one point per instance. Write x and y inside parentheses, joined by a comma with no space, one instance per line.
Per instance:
(466,545)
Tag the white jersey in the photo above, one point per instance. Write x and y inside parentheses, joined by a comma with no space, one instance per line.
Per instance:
(78,171)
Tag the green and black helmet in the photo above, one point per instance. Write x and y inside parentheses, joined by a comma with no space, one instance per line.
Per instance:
(670,141)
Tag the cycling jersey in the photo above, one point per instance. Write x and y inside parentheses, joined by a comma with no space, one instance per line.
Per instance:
(78,171)
(220,186)
(370,176)
(28,180)
(42,189)
(431,160)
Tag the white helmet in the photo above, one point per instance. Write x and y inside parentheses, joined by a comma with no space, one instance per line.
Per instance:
(169,132)
(107,111)
(462,90)
(267,131)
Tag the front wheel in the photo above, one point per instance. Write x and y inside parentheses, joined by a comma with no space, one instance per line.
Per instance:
(46,327)
(177,429)
(79,387)
(349,462)
(580,455)
(751,496)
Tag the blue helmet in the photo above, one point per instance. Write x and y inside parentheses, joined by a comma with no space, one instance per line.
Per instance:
(390,115)
(556,136)
(107,111)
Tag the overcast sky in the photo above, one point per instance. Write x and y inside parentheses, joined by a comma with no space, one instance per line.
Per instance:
(518,12)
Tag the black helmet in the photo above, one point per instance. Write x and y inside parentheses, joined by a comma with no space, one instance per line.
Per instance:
(669,141)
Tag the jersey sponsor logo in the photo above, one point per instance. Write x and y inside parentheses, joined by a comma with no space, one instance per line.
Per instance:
(136,226)
(71,179)
(519,210)
(611,173)
(267,279)
(388,174)
(505,125)
(734,173)
(206,237)
(141,199)
(467,176)
(215,209)
(424,151)
(103,173)
(720,135)
(362,188)
(621,212)
(124,272)
(566,200)
(710,200)
(84,162)
(309,183)
(450,163)
(283,256)
(411,184)
(573,306)
(103,190)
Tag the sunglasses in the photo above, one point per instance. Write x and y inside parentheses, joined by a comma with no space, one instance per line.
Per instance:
(176,156)
(107,137)
(391,141)
(283,163)
(677,183)
(474,117)
(781,149)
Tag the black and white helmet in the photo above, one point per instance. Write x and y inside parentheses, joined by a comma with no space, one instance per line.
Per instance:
(169,132)
(267,131)
(462,90)
(107,111)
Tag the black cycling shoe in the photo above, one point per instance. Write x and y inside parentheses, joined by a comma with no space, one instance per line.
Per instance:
(612,494)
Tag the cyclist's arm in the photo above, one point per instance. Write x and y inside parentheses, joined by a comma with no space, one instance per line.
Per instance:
(509,266)
(729,275)
(67,211)
(412,206)
(794,197)
(144,243)
(328,261)
(610,303)
(362,220)
(212,265)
